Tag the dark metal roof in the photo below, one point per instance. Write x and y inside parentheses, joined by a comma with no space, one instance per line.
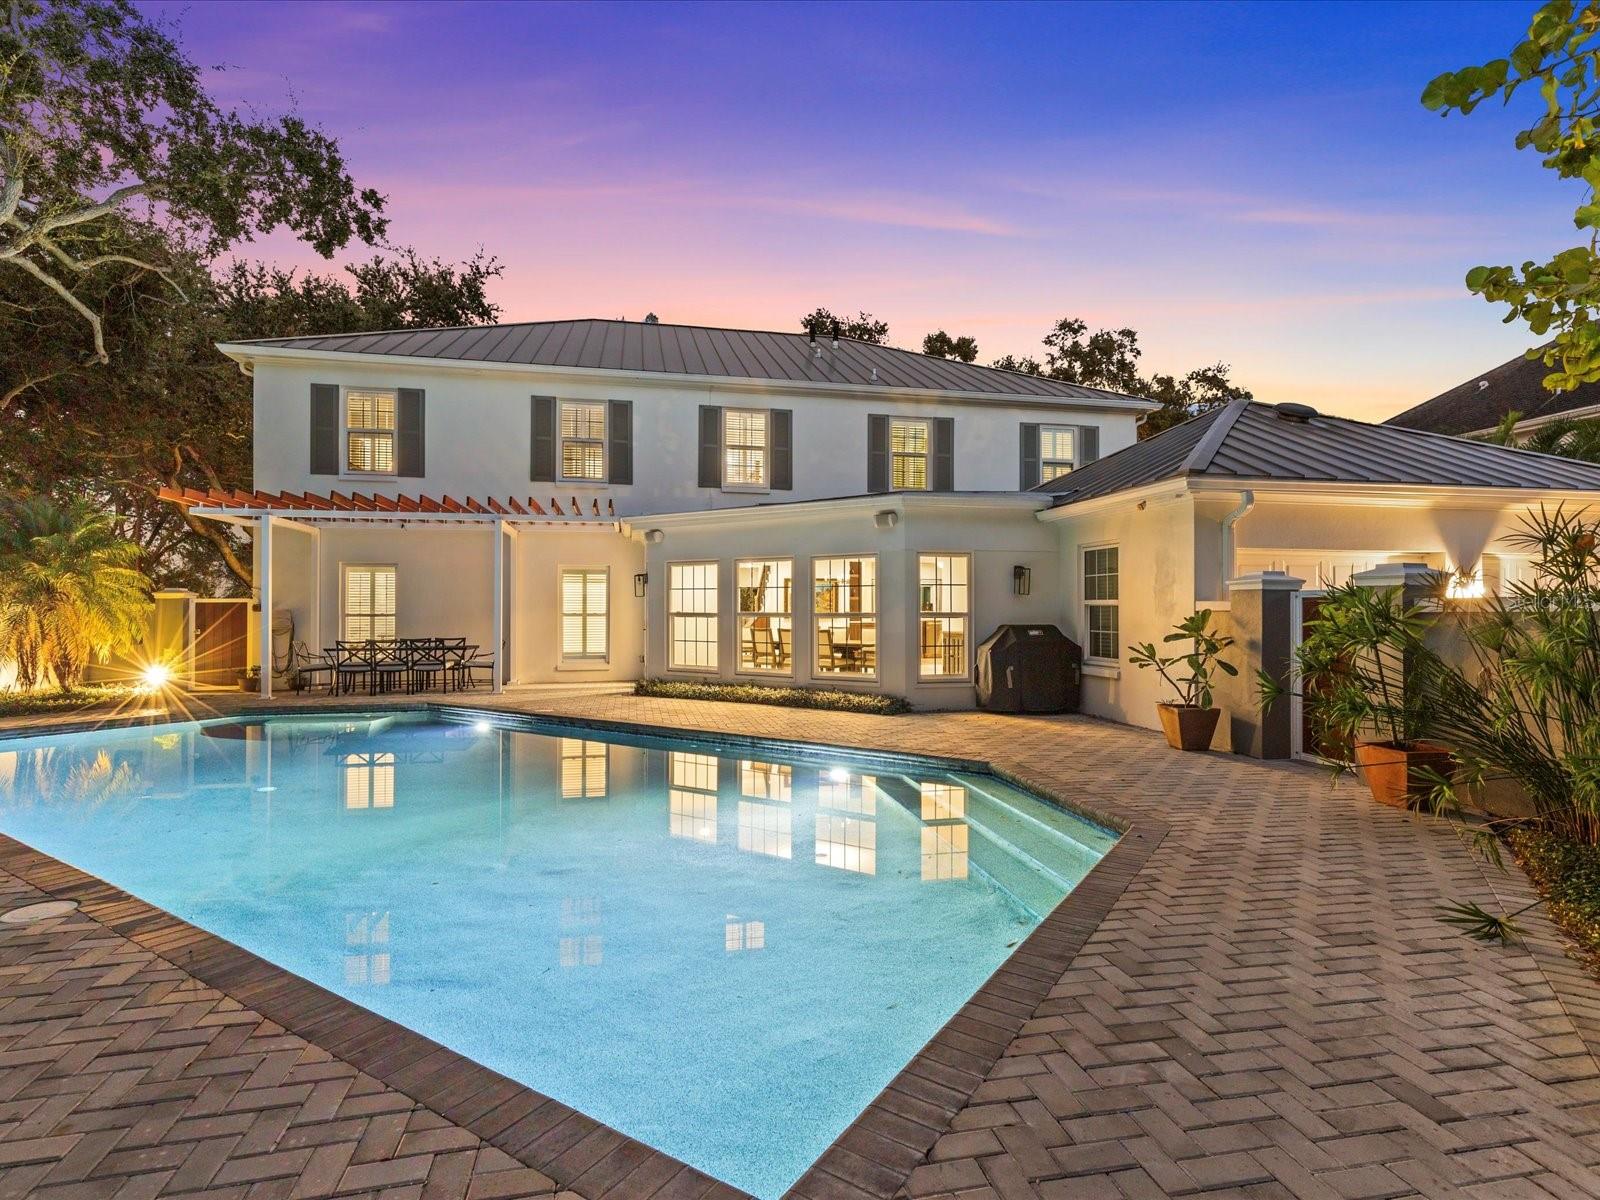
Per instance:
(695,350)
(1260,443)
(1484,400)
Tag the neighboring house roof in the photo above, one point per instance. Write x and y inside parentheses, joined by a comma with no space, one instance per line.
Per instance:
(356,506)
(1261,443)
(1483,401)
(694,350)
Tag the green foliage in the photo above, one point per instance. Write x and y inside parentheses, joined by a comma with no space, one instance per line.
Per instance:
(1570,437)
(941,345)
(1568,876)
(1358,664)
(1109,358)
(89,695)
(1478,923)
(100,112)
(829,700)
(863,327)
(69,589)
(1203,660)
(1559,58)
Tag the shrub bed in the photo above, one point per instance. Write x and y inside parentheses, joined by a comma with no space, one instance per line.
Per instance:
(28,704)
(829,700)
(1567,874)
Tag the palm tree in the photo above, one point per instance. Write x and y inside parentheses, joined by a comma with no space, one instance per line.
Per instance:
(70,589)
(1569,437)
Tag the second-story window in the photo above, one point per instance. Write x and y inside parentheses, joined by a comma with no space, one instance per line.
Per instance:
(370,423)
(744,448)
(583,440)
(908,450)
(1058,451)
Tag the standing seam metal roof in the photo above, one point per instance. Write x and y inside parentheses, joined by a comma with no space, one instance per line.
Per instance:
(695,350)
(1254,442)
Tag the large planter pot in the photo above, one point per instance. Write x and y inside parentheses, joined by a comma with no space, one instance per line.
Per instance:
(1395,775)
(1188,727)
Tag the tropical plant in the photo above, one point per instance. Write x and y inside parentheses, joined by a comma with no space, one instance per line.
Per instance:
(1527,709)
(1570,437)
(1358,668)
(70,589)
(1203,660)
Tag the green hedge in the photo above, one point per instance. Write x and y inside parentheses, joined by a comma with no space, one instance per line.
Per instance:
(1568,874)
(27,704)
(830,700)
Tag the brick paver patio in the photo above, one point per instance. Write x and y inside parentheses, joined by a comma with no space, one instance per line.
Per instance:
(1259,1002)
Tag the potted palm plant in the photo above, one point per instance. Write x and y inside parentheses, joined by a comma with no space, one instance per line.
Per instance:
(1190,722)
(1361,664)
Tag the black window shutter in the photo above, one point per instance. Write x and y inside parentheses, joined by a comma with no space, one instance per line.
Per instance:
(544,440)
(324,429)
(619,439)
(1030,455)
(877,453)
(944,454)
(1088,444)
(411,433)
(710,445)
(782,436)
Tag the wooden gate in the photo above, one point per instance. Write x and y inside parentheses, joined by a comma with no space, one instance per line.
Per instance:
(221,640)
(1306,741)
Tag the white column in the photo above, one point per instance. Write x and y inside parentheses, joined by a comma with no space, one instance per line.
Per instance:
(499,604)
(264,590)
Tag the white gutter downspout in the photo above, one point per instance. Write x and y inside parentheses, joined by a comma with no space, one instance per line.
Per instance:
(1247,501)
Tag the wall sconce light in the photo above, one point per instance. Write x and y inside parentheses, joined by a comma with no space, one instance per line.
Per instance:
(639,582)
(887,519)
(1021,580)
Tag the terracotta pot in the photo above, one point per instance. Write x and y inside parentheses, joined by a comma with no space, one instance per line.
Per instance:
(1395,775)
(1188,727)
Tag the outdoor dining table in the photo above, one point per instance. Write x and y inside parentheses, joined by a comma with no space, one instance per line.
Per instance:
(416,664)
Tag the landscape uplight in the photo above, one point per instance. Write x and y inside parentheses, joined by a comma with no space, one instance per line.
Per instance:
(156,676)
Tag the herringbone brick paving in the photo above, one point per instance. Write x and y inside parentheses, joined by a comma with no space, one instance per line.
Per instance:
(1269,1008)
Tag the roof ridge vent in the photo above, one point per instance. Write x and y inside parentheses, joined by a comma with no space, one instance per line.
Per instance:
(1289,410)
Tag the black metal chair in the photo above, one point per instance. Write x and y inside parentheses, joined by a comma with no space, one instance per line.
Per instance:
(352,663)
(427,665)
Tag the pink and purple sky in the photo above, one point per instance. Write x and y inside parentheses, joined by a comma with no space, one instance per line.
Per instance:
(1254,183)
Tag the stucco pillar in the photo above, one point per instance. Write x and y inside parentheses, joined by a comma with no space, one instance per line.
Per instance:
(1261,607)
(264,589)
(1418,582)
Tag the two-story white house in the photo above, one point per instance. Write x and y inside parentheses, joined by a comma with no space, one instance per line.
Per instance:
(606,500)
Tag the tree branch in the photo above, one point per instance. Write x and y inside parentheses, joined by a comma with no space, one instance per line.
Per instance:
(88,314)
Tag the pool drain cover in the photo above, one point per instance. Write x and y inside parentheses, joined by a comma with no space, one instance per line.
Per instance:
(42,911)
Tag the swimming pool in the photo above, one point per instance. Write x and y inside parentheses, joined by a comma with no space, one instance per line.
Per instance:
(723,951)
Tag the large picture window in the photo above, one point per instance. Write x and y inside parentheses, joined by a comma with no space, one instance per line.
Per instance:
(845,601)
(583,440)
(369,603)
(909,445)
(943,602)
(692,616)
(744,448)
(765,590)
(584,601)
(1058,451)
(1100,594)
(370,423)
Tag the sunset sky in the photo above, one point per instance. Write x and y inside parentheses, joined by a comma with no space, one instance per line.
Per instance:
(1251,183)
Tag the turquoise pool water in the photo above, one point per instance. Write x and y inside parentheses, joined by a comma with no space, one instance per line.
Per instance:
(725,953)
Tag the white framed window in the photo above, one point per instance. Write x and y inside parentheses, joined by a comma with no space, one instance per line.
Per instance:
(845,603)
(367,603)
(1101,588)
(944,604)
(370,421)
(692,616)
(583,440)
(585,604)
(1058,451)
(910,444)
(764,595)
(583,769)
(745,444)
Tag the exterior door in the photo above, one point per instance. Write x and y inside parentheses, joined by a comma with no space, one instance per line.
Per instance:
(221,630)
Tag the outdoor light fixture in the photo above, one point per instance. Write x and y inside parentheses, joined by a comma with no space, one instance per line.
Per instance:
(1465,583)
(887,519)
(482,726)
(1021,580)
(839,775)
(639,582)
(155,677)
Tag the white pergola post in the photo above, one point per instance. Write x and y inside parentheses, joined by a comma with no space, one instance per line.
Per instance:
(499,605)
(264,540)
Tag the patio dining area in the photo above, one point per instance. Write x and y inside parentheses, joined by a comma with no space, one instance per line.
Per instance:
(409,665)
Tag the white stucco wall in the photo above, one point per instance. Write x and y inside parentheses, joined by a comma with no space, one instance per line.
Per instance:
(998,537)
(478,434)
